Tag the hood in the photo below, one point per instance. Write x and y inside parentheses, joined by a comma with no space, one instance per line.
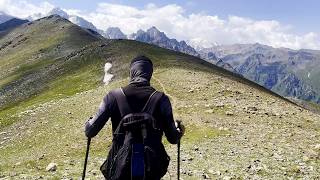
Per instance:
(141,69)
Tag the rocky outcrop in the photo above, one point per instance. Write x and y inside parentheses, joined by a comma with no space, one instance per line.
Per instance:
(154,36)
(74,19)
(114,33)
(292,86)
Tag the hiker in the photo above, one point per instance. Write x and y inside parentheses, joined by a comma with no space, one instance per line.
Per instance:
(149,159)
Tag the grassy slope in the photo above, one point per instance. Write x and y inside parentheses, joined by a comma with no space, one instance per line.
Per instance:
(223,139)
(43,58)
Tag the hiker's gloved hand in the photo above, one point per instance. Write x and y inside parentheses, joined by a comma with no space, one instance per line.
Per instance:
(88,128)
(180,128)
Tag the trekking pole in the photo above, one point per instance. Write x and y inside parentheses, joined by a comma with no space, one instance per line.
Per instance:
(178,156)
(86,159)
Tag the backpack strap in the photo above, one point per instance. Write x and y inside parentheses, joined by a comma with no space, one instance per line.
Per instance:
(122,102)
(152,102)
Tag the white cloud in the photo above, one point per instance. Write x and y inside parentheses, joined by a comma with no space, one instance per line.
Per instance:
(24,9)
(173,20)
(200,27)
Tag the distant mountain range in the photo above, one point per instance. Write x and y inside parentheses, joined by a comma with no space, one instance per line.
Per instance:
(8,22)
(290,73)
(12,23)
(154,36)
(4,17)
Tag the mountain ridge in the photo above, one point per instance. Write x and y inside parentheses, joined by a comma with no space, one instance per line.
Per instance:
(4,17)
(74,19)
(12,23)
(156,37)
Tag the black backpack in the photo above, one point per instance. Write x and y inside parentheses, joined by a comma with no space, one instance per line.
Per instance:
(137,152)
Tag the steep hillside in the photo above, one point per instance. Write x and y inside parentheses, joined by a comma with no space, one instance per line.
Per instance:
(235,128)
(38,57)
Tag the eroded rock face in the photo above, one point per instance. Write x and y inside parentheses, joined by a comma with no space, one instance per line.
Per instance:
(154,36)
(114,33)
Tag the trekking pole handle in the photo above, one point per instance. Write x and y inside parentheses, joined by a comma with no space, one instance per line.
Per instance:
(179,124)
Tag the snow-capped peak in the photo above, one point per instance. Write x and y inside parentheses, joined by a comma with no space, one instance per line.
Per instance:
(82,22)
(199,43)
(59,11)
(74,19)
(115,33)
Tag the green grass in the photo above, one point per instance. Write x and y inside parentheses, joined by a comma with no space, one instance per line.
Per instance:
(313,106)
(195,134)
(39,57)
(84,78)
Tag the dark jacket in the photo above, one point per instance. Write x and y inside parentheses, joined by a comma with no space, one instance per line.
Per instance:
(137,95)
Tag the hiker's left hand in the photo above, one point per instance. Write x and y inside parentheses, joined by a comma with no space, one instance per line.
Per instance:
(180,128)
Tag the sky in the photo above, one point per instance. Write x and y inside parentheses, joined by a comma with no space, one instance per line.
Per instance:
(279,23)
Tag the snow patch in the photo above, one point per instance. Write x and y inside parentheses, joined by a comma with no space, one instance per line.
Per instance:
(107,76)
(200,44)
(308,75)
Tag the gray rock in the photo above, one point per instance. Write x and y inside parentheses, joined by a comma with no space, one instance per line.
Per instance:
(210,111)
(51,167)
(190,158)
(229,113)
(42,156)
(252,108)
(317,147)
(205,176)
(190,173)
